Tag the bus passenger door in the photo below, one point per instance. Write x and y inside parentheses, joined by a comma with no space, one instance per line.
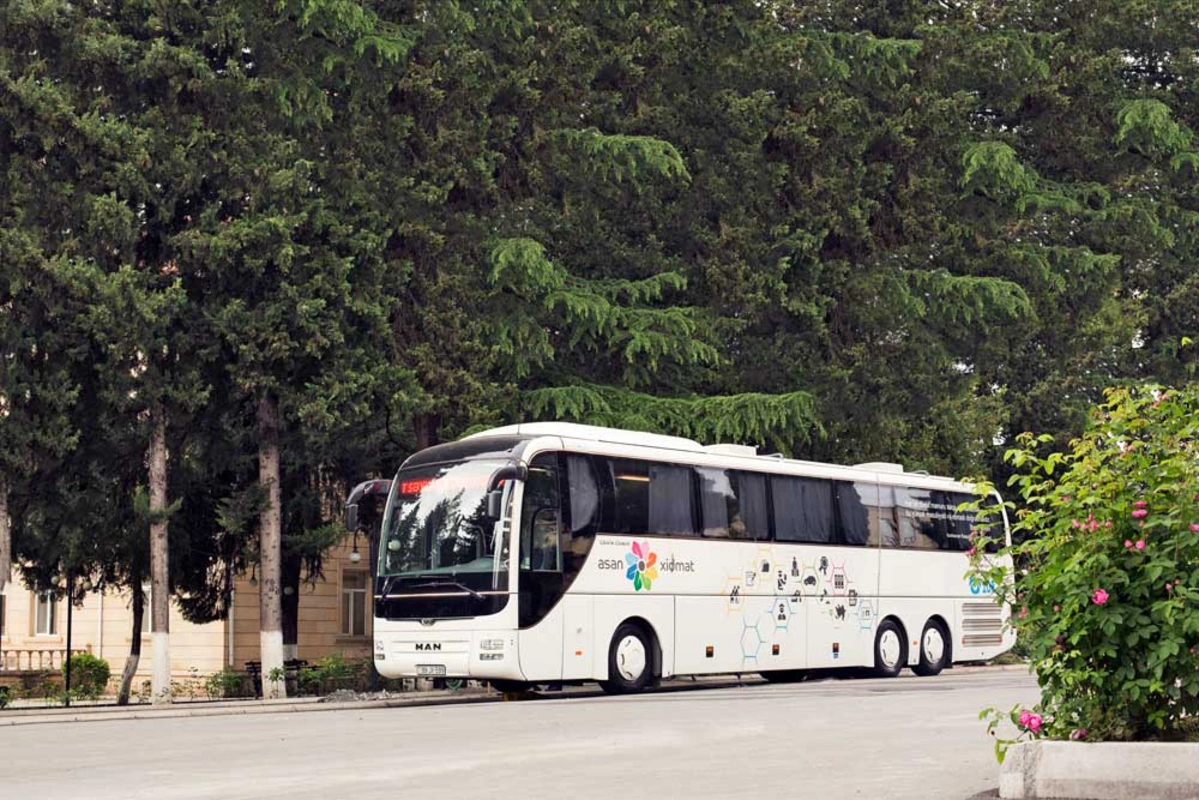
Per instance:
(540,589)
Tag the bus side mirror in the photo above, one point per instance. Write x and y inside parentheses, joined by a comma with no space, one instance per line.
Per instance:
(364,489)
(495,486)
(495,499)
(508,472)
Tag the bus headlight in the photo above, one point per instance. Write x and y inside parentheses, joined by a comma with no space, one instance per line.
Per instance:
(491,644)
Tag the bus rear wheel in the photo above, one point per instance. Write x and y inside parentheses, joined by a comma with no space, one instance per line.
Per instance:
(630,661)
(934,649)
(890,650)
(785,675)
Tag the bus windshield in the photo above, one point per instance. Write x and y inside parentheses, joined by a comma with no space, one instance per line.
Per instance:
(436,532)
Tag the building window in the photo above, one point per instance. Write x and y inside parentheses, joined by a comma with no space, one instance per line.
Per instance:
(45,615)
(353,604)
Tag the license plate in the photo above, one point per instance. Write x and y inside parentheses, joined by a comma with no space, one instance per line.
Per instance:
(430,669)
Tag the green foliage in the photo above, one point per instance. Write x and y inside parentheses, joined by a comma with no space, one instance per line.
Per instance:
(228,683)
(619,158)
(1108,548)
(741,418)
(89,675)
(993,170)
(333,672)
(838,230)
(1148,127)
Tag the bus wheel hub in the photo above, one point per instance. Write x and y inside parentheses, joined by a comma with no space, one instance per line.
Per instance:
(888,648)
(630,658)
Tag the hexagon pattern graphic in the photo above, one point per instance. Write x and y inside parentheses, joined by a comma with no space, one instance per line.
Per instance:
(791,582)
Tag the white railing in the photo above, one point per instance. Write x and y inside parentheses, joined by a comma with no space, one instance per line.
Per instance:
(21,659)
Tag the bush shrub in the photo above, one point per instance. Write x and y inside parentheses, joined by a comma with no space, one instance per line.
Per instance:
(1106,599)
(228,683)
(89,675)
(333,672)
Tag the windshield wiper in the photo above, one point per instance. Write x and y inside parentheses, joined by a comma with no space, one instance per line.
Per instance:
(455,584)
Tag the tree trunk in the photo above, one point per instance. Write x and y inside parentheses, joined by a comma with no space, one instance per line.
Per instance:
(160,588)
(5,536)
(270,547)
(426,427)
(135,647)
(291,608)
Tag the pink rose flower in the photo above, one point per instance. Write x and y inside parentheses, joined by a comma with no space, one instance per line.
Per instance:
(1140,545)
(1035,722)
(1099,597)
(1140,513)
(1195,527)
(1025,716)
(1078,734)
(1128,542)
(1140,504)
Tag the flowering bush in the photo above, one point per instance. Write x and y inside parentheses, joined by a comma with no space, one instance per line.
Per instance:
(1106,589)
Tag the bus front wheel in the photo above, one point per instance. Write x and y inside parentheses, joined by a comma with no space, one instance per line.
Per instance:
(890,650)
(630,661)
(934,649)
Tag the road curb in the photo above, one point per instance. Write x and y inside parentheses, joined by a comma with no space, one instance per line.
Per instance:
(1101,771)
(39,716)
(24,717)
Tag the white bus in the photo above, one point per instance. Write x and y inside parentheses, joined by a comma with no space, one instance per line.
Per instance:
(561,553)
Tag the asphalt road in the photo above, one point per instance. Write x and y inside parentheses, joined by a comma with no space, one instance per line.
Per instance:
(901,738)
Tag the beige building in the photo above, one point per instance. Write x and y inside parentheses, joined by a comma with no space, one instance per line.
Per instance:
(334,616)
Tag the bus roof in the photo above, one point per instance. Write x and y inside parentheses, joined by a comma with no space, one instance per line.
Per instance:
(572,430)
(888,472)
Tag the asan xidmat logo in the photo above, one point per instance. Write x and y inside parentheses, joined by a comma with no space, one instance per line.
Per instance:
(642,569)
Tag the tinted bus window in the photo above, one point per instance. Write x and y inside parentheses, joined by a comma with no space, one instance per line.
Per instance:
(651,498)
(919,526)
(955,524)
(584,496)
(803,509)
(858,512)
(733,504)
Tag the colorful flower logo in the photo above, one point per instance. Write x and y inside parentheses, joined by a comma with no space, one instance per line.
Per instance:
(641,571)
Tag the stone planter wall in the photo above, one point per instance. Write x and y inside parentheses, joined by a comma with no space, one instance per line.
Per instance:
(1102,771)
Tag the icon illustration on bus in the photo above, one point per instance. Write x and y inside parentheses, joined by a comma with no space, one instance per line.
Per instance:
(642,569)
